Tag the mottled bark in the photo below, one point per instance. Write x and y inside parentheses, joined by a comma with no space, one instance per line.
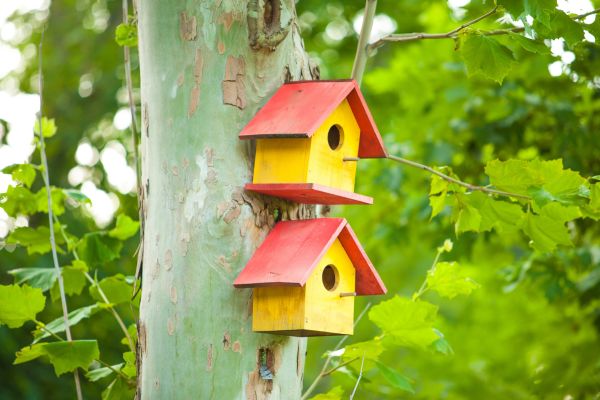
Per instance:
(206,68)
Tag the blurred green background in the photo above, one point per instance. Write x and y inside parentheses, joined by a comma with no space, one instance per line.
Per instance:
(529,332)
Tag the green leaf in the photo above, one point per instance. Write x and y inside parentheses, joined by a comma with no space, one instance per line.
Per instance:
(447,280)
(118,390)
(42,278)
(395,378)
(67,356)
(559,24)
(129,369)
(370,349)
(64,356)
(484,55)
(469,218)
(126,35)
(73,280)
(75,316)
(545,232)
(35,240)
(532,46)
(407,322)
(94,375)
(545,181)
(76,195)
(125,228)
(132,330)
(442,346)
(116,289)
(437,195)
(535,8)
(97,248)
(337,393)
(496,213)
(58,200)
(18,200)
(595,196)
(29,353)
(48,127)
(23,173)
(560,213)
(19,304)
(515,176)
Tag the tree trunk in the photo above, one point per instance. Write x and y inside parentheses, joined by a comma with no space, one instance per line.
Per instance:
(206,68)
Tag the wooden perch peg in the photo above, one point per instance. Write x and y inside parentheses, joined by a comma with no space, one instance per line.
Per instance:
(348,294)
(351,158)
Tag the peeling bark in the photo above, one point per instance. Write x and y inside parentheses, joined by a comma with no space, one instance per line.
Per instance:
(205,72)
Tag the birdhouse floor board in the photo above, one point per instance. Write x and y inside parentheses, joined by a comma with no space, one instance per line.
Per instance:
(305,333)
(308,193)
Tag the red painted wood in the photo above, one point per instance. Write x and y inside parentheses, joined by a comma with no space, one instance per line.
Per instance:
(297,109)
(293,249)
(368,281)
(309,193)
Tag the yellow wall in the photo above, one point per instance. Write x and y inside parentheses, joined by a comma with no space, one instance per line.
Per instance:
(326,166)
(312,309)
(281,160)
(311,160)
(277,308)
(326,311)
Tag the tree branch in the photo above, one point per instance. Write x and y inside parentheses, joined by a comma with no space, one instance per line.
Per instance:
(362,364)
(362,49)
(46,178)
(448,178)
(408,37)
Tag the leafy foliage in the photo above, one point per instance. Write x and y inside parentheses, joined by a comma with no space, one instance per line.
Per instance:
(64,356)
(530,331)
(19,304)
(487,56)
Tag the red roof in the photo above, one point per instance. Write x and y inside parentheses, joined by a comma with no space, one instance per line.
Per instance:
(293,249)
(298,109)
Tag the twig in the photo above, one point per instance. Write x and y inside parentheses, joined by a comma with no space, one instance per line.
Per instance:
(587,14)
(332,370)
(100,291)
(114,312)
(408,37)
(136,157)
(448,178)
(46,178)
(456,181)
(324,371)
(134,131)
(405,37)
(362,364)
(424,287)
(362,49)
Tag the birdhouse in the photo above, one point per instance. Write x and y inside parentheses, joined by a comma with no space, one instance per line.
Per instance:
(305,276)
(304,133)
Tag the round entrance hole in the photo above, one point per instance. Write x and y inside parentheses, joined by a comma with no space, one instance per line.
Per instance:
(330,277)
(335,137)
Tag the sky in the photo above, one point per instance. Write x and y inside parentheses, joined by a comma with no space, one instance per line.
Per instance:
(19,109)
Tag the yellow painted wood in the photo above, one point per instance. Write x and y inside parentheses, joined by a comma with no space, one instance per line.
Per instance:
(326,166)
(310,310)
(281,160)
(325,310)
(278,308)
(311,160)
